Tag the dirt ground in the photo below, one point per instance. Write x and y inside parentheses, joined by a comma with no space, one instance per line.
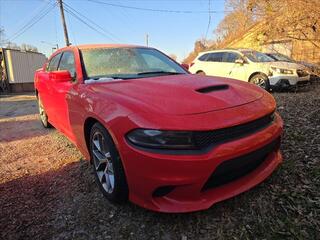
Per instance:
(47,189)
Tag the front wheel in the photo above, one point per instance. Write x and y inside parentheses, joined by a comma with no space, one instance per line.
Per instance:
(201,73)
(261,80)
(107,165)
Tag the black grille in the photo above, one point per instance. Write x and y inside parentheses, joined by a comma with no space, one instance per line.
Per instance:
(207,138)
(302,73)
(236,168)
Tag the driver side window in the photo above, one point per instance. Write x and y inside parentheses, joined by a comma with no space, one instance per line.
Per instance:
(53,64)
(67,63)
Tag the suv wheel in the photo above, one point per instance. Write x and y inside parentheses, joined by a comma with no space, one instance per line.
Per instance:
(107,165)
(201,73)
(260,80)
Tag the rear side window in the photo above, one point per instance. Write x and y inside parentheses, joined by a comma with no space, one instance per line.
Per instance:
(203,57)
(53,64)
(67,63)
(230,57)
(215,57)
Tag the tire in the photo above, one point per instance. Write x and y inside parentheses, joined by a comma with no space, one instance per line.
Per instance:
(260,80)
(107,165)
(43,115)
(201,73)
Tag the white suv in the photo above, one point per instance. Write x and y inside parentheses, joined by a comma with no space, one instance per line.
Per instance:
(252,66)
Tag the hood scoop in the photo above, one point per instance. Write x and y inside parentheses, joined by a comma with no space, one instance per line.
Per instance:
(213,88)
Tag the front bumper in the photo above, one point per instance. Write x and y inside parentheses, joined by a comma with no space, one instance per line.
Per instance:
(284,81)
(188,174)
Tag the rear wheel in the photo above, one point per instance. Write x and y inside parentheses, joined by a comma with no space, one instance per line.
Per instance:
(43,115)
(107,165)
(260,80)
(201,73)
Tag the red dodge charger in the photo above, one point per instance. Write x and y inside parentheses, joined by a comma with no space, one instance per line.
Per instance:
(155,134)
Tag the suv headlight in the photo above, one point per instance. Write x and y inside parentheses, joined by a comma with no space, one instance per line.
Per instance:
(150,138)
(281,70)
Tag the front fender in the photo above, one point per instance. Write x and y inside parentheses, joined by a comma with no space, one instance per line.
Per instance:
(84,104)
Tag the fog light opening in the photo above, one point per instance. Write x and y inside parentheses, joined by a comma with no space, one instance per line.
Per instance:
(284,83)
(162,191)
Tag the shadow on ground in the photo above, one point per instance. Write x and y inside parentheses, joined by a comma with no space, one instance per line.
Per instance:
(24,128)
(66,204)
(28,204)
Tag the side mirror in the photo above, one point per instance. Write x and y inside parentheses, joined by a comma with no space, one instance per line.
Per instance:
(60,76)
(185,66)
(239,61)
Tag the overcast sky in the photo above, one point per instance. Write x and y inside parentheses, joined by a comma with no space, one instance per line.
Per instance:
(171,32)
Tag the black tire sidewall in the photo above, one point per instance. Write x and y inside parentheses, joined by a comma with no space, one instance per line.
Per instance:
(120,191)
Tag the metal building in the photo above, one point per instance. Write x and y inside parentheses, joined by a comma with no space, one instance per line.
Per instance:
(17,69)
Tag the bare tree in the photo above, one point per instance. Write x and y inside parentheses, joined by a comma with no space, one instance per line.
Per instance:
(198,47)
(276,20)
(291,19)
(28,47)
(2,36)
(236,22)
(173,56)
(12,45)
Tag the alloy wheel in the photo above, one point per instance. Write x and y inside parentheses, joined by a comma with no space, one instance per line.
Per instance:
(102,161)
(260,81)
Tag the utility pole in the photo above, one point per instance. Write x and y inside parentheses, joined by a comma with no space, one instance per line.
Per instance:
(147,40)
(66,38)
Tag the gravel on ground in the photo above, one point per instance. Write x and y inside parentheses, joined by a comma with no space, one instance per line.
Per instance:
(47,189)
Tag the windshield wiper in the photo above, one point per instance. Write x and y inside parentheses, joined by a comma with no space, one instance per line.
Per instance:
(105,77)
(159,72)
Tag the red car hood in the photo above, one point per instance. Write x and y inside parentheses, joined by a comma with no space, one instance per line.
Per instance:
(178,95)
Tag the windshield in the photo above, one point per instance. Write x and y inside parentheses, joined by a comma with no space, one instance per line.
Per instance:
(282,58)
(255,56)
(126,63)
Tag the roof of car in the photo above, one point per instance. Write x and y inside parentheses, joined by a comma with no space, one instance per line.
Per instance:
(228,49)
(88,46)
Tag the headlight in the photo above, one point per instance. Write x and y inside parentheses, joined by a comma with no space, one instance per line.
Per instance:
(281,70)
(162,139)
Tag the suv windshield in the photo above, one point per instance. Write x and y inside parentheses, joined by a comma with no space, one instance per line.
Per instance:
(255,56)
(127,63)
(280,57)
